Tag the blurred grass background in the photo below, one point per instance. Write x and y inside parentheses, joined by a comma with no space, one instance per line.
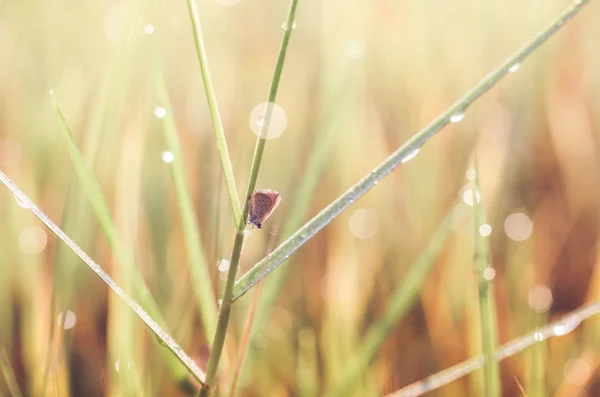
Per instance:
(360,78)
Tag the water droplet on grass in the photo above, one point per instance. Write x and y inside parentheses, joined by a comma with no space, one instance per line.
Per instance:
(455,118)
(514,68)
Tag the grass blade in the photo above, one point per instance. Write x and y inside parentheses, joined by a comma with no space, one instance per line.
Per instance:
(142,314)
(200,274)
(214,113)
(487,306)
(306,232)
(224,313)
(324,142)
(557,328)
(94,194)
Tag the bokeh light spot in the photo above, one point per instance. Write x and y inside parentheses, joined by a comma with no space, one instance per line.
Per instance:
(540,298)
(485,230)
(277,124)
(33,240)
(518,226)
(66,320)
(489,273)
(223,265)
(363,223)
(467,196)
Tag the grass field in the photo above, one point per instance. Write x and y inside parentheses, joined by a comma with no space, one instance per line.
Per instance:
(137,127)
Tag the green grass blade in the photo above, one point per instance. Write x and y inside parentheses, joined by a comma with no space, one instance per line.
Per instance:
(324,142)
(201,280)
(165,339)
(306,232)
(224,313)
(214,113)
(556,328)
(487,305)
(94,194)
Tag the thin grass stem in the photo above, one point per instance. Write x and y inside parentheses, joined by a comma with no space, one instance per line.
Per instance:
(225,311)
(214,113)
(329,213)
(165,339)
(560,327)
(94,194)
(487,306)
(201,280)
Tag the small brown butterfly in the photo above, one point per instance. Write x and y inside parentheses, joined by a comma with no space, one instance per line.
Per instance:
(261,204)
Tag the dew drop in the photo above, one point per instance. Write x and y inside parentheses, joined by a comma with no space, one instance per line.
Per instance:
(410,156)
(167,157)
(160,112)
(455,118)
(514,68)
(149,29)
(566,326)
(284,25)
(21,202)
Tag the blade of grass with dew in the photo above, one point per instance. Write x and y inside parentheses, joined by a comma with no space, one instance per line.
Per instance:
(557,328)
(142,314)
(214,113)
(201,280)
(487,305)
(9,374)
(319,154)
(535,363)
(225,311)
(329,213)
(124,257)
(400,302)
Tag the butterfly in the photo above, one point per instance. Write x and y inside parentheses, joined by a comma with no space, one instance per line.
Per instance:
(261,205)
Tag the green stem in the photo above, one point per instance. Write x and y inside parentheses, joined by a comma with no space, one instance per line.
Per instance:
(142,314)
(227,301)
(306,232)
(487,307)
(201,281)
(214,113)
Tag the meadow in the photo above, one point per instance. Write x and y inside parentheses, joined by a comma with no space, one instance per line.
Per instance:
(438,168)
